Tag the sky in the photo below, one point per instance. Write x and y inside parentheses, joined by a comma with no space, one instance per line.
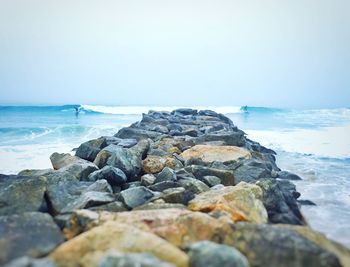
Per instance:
(280,53)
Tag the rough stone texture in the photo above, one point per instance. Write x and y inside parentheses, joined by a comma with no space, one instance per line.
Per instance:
(132,259)
(147,179)
(226,177)
(137,196)
(209,254)
(19,194)
(31,262)
(80,169)
(211,180)
(153,164)
(122,237)
(29,234)
(177,195)
(193,185)
(280,201)
(60,160)
(209,154)
(166,174)
(113,175)
(288,175)
(90,149)
(241,201)
(267,245)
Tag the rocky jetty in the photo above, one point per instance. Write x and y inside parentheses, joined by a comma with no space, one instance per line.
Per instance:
(182,188)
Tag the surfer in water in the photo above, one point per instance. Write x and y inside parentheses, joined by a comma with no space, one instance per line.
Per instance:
(77,111)
(244,109)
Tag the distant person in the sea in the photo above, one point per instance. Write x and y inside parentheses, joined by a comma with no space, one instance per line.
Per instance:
(77,111)
(245,109)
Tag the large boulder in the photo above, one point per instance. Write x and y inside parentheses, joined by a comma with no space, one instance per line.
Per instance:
(209,254)
(29,234)
(241,201)
(280,200)
(60,160)
(81,169)
(211,153)
(226,176)
(90,149)
(136,196)
(268,245)
(112,235)
(113,175)
(19,194)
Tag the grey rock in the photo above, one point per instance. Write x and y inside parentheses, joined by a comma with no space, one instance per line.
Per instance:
(26,261)
(177,195)
(226,176)
(127,143)
(217,187)
(60,160)
(131,185)
(288,175)
(279,201)
(113,175)
(20,194)
(99,186)
(160,187)
(133,260)
(209,254)
(32,234)
(184,111)
(80,169)
(147,179)
(137,196)
(89,199)
(193,185)
(211,180)
(166,174)
(90,149)
(160,206)
(268,245)
(229,138)
(137,134)
(115,206)
(249,173)
(35,172)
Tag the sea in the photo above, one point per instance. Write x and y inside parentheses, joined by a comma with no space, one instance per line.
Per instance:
(313,143)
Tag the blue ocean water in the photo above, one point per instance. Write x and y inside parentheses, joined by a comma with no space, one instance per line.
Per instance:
(312,143)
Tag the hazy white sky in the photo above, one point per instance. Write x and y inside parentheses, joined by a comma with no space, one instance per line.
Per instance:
(292,53)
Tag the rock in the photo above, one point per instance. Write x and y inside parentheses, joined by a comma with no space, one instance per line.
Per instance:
(306,202)
(209,154)
(166,174)
(160,206)
(60,160)
(288,175)
(211,180)
(247,173)
(280,203)
(241,201)
(29,234)
(147,179)
(193,185)
(12,197)
(209,254)
(160,187)
(133,259)
(113,175)
(89,199)
(90,149)
(115,206)
(80,169)
(228,138)
(127,143)
(153,164)
(185,111)
(122,237)
(138,134)
(177,195)
(199,172)
(268,245)
(31,262)
(127,161)
(131,185)
(137,196)
(320,239)
(99,186)
(33,172)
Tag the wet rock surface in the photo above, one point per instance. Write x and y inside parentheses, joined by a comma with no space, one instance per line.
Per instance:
(181,188)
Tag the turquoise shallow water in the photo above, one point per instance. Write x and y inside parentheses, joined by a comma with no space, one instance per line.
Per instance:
(311,143)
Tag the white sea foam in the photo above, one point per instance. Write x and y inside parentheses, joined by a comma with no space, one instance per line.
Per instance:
(134,110)
(322,142)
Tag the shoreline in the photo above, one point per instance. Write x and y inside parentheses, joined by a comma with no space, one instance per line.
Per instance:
(186,163)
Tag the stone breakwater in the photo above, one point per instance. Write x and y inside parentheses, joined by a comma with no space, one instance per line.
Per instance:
(181,188)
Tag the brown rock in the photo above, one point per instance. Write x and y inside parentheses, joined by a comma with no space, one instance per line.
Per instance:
(60,160)
(114,235)
(153,164)
(211,153)
(241,201)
